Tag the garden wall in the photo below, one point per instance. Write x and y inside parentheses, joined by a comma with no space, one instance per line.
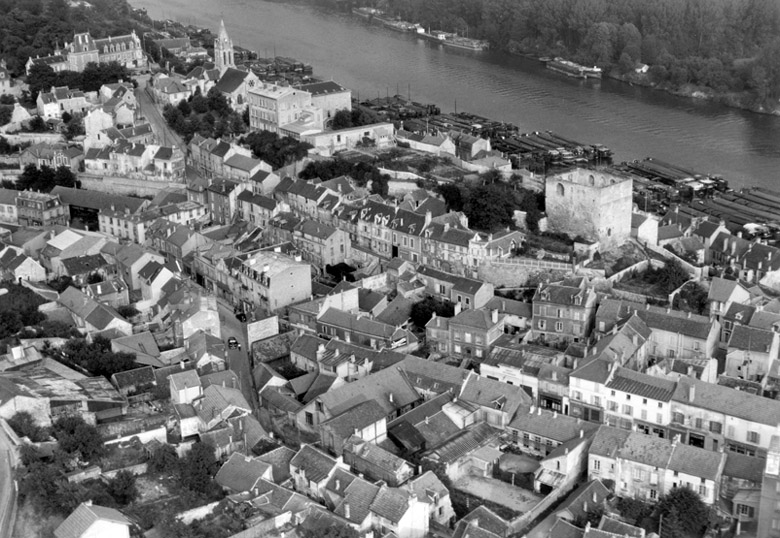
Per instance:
(126,185)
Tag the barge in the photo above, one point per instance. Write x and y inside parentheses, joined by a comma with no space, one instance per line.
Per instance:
(571,69)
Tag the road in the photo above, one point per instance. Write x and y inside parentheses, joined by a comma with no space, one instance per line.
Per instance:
(238,359)
(7,487)
(153,115)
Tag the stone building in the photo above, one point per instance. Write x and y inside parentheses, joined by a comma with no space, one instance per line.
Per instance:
(595,204)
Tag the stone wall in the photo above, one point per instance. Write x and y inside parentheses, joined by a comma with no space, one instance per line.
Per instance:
(516,271)
(126,186)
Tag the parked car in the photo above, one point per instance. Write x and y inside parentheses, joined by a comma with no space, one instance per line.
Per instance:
(233,343)
(241,317)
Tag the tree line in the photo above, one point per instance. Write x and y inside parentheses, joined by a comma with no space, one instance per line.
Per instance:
(727,45)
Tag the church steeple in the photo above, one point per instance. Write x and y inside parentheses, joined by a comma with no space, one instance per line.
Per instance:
(223,50)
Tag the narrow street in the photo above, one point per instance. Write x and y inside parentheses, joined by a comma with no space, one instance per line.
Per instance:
(238,359)
(153,115)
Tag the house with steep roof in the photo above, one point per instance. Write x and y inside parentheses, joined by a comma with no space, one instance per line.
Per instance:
(469,292)
(645,467)
(564,311)
(91,316)
(242,473)
(723,293)
(361,330)
(471,333)
(370,459)
(131,259)
(674,333)
(540,431)
(751,352)
(430,490)
(90,520)
(583,499)
(311,470)
(16,266)
(142,345)
(473,450)
(498,402)
(185,387)
(367,421)
(219,403)
(717,416)
(390,388)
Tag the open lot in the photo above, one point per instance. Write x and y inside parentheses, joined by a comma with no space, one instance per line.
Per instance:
(518,463)
(514,498)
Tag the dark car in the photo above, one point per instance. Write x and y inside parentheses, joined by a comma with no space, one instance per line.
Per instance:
(241,317)
(233,343)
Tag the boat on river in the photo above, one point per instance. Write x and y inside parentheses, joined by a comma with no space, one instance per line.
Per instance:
(572,69)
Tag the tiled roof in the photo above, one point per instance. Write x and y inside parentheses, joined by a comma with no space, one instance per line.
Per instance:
(270,396)
(240,473)
(315,464)
(615,526)
(322,88)
(488,520)
(356,418)
(494,394)
(462,284)
(359,495)
(217,399)
(279,459)
(86,515)
(184,380)
(98,200)
(563,529)
(476,319)
(728,401)
(751,339)
(134,377)
(544,423)
(608,441)
(391,504)
(378,457)
(433,376)
(697,462)
(744,467)
(643,385)
(383,386)
(574,503)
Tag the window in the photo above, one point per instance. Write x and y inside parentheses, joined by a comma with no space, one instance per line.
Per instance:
(542,324)
(612,393)
(577,395)
(628,410)
(653,494)
(560,190)
(457,348)
(753,437)
(644,414)
(678,417)
(597,401)
(558,326)
(660,405)
(596,465)
(628,397)
(638,474)
(671,353)
(699,423)
(659,418)
(411,242)
(703,491)
(612,406)
(560,313)
(309,419)
(696,346)
(319,406)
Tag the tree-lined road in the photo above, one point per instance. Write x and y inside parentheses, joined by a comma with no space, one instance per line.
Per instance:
(149,110)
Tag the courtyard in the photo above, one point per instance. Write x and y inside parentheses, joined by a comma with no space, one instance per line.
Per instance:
(515,498)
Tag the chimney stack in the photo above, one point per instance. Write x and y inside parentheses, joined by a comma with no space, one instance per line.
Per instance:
(346,510)
(691,393)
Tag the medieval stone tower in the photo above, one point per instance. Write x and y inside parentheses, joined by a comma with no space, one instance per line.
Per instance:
(223,50)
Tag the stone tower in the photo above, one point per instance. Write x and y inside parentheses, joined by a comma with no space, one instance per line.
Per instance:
(223,50)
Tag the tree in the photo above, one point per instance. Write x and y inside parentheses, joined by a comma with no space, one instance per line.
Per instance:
(25,425)
(123,488)
(76,436)
(342,119)
(452,195)
(163,459)
(672,276)
(379,185)
(37,125)
(197,469)
(670,525)
(184,107)
(489,207)
(423,311)
(127,311)
(685,506)
(334,530)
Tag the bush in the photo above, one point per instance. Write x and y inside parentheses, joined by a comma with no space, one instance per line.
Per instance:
(76,436)
(163,460)
(24,425)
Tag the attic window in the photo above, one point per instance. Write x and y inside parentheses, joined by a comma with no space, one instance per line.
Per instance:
(499,402)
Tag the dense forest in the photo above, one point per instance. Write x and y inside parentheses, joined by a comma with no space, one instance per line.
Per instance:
(30,28)
(726,45)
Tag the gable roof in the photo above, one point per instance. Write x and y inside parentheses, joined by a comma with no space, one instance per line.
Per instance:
(231,80)
(86,515)
(728,401)
(389,387)
(643,385)
(494,394)
(356,418)
(315,464)
(241,473)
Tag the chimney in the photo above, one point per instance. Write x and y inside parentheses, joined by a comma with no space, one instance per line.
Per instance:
(554,375)
(346,510)
(555,414)
(458,308)
(320,351)
(494,315)
(614,329)
(539,411)
(635,339)
(338,485)
(595,498)
(582,433)
(689,315)
(531,410)
(390,397)
(691,393)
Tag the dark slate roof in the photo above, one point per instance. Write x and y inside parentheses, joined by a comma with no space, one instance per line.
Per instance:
(322,88)
(391,503)
(466,442)
(84,264)
(696,461)
(619,528)
(270,396)
(643,385)
(751,339)
(356,418)
(607,441)
(728,401)
(231,80)
(279,459)
(741,313)
(240,473)
(97,200)
(135,377)
(744,467)
(488,520)
(317,465)
(575,503)
(462,284)
(547,424)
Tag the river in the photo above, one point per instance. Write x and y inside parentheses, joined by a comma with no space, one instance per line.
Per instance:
(635,122)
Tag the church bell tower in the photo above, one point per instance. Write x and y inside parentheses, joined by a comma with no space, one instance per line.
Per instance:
(223,50)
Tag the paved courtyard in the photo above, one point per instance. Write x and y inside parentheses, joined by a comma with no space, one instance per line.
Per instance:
(517,499)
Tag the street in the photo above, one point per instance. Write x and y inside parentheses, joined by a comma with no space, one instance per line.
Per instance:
(153,115)
(238,359)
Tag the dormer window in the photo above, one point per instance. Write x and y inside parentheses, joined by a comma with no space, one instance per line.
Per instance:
(577,300)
